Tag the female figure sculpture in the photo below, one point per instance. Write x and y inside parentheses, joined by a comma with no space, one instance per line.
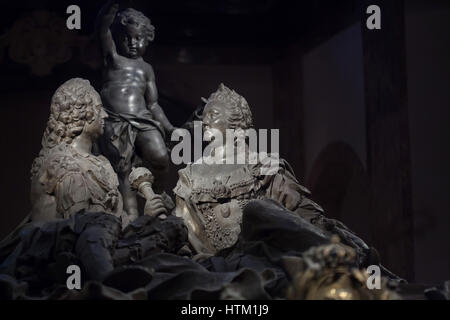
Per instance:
(66,176)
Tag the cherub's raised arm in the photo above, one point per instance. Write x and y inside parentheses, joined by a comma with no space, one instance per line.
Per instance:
(106,19)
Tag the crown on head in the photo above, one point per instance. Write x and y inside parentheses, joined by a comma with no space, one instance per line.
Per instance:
(228,96)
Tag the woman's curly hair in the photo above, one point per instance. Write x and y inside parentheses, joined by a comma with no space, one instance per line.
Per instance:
(71,106)
(131,16)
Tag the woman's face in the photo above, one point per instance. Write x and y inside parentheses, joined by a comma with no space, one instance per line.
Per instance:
(215,116)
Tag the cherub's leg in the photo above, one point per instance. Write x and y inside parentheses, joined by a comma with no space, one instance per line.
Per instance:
(152,149)
(111,152)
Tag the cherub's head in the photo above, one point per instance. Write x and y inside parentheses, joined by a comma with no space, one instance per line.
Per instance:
(132,31)
(226,109)
(75,108)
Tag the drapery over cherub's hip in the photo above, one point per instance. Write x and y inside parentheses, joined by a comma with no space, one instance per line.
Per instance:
(120,132)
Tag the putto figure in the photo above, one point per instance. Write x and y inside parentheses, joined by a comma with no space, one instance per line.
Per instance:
(136,122)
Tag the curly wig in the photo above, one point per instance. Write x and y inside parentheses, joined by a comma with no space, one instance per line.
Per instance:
(71,107)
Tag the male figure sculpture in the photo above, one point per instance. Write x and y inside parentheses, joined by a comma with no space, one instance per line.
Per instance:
(76,205)
(67,177)
(136,122)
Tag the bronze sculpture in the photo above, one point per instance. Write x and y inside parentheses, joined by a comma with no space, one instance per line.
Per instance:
(328,272)
(67,177)
(129,95)
(77,213)
(141,180)
(241,223)
(211,197)
(232,212)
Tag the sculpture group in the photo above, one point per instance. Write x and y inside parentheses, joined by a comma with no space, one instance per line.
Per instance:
(222,216)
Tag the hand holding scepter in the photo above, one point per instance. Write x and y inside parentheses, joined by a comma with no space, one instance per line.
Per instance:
(141,179)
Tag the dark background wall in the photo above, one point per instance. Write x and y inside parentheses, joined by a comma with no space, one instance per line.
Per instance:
(301,67)
(428,64)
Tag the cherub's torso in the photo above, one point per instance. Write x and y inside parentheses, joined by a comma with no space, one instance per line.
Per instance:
(125,84)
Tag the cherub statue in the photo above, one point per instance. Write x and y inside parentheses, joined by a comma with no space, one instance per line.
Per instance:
(136,121)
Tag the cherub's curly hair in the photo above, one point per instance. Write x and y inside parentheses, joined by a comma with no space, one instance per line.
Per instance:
(136,18)
(240,116)
(71,106)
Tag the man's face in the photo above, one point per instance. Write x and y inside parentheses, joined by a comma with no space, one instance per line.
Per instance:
(215,116)
(132,41)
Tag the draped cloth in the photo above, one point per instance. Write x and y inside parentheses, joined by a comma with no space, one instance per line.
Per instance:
(150,258)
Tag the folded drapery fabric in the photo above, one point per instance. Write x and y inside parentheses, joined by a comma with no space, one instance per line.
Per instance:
(150,258)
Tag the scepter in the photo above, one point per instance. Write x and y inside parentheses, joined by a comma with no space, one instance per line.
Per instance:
(141,180)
